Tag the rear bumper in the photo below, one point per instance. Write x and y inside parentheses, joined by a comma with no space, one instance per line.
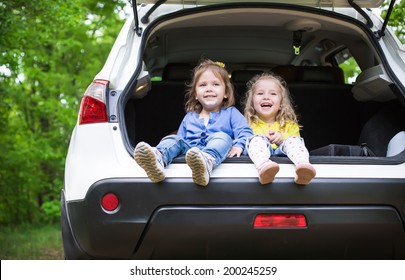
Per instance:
(175,219)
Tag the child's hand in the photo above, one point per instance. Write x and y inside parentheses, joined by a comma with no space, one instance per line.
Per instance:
(235,151)
(275,137)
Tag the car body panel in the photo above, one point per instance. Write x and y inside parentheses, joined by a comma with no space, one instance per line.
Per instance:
(117,163)
(337,212)
(312,3)
(355,206)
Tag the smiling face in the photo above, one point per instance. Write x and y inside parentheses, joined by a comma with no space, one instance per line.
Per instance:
(210,91)
(267,97)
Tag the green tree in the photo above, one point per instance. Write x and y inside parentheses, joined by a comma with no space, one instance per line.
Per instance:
(50,51)
(397,19)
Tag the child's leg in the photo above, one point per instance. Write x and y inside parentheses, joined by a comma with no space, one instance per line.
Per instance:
(218,146)
(201,165)
(171,146)
(297,152)
(259,152)
(203,162)
(153,160)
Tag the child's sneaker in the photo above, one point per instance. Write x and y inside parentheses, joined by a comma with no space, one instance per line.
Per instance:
(267,172)
(201,166)
(150,160)
(305,172)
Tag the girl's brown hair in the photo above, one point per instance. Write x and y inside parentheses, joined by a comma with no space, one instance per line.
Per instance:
(286,112)
(218,68)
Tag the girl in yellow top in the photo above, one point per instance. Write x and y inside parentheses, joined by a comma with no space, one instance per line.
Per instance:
(271,116)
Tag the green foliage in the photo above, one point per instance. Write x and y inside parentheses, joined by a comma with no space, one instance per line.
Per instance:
(51,51)
(31,242)
(351,70)
(397,19)
(397,22)
(52,211)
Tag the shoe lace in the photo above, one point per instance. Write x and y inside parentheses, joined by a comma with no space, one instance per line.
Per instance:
(209,162)
(159,156)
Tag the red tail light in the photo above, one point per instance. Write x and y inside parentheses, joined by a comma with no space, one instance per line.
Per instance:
(93,108)
(280,221)
(110,202)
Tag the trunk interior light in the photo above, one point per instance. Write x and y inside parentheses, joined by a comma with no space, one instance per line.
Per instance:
(279,221)
(141,87)
(110,202)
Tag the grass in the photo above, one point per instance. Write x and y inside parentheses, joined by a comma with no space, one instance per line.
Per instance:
(31,242)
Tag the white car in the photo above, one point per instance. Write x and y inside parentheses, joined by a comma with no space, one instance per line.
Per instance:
(345,70)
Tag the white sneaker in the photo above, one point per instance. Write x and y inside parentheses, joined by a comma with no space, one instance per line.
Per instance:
(201,166)
(151,161)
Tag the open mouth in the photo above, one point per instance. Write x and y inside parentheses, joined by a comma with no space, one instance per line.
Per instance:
(266,105)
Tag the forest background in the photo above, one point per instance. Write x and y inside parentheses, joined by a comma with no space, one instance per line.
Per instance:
(50,53)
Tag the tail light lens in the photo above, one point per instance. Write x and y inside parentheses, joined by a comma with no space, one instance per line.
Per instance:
(93,107)
(280,221)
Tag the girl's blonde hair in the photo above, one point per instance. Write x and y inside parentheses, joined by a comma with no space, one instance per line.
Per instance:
(218,68)
(286,112)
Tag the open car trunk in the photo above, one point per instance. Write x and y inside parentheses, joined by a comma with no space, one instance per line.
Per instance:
(339,117)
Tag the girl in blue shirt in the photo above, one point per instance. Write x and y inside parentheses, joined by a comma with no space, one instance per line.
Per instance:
(212,129)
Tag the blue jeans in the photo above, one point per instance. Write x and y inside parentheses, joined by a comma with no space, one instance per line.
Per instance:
(217,145)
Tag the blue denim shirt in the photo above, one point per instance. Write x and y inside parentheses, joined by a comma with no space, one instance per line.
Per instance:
(228,120)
